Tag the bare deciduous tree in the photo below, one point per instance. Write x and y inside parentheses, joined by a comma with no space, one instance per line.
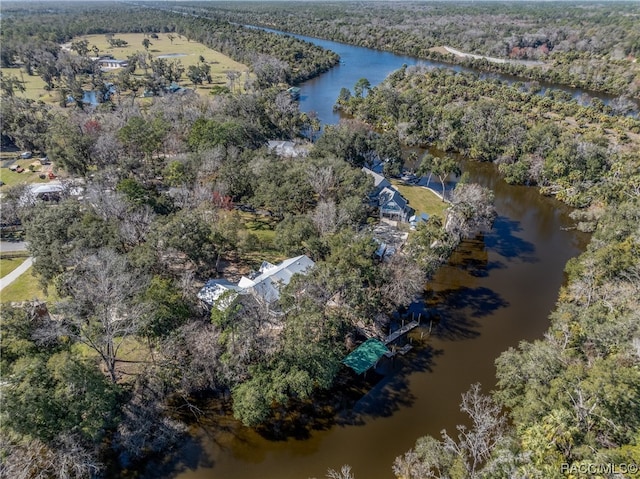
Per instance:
(325,217)
(145,427)
(66,458)
(404,279)
(344,473)
(322,180)
(471,211)
(470,451)
(104,308)
(474,445)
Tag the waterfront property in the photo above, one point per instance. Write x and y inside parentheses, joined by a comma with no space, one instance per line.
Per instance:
(366,356)
(294,91)
(393,206)
(264,285)
(379,182)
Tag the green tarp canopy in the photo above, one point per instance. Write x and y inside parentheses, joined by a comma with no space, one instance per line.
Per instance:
(366,355)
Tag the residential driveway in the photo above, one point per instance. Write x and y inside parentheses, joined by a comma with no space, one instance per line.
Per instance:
(15,274)
(9,246)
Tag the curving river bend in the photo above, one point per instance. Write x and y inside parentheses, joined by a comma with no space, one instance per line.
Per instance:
(495,292)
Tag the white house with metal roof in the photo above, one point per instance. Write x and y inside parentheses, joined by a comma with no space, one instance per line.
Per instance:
(265,287)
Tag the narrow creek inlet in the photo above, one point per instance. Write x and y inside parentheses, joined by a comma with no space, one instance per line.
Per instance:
(496,291)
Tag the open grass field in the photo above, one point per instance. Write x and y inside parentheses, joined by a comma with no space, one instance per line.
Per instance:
(421,199)
(25,288)
(10,178)
(34,86)
(263,228)
(188,53)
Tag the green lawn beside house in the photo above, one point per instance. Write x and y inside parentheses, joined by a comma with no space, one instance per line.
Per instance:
(421,199)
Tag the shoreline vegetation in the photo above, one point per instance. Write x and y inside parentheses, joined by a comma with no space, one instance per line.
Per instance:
(160,196)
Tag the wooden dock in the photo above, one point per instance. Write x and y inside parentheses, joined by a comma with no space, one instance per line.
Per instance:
(403,330)
(403,350)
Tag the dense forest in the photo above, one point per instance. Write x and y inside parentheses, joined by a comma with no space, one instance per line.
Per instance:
(587,45)
(160,195)
(549,140)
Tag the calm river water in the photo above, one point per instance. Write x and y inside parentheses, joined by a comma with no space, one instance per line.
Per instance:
(495,292)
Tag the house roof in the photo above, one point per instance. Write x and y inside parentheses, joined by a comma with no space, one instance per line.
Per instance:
(424,217)
(214,289)
(46,188)
(387,195)
(366,355)
(267,284)
(379,181)
(286,148)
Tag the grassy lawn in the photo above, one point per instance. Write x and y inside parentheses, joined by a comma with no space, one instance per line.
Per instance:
(7,265)
(263,228)
(34,86)
(189,52)
(10,178)
(421,199)
(133,356)
(25,288)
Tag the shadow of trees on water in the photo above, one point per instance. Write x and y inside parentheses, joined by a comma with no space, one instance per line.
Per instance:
(503,241)
(353,399)
(455,313)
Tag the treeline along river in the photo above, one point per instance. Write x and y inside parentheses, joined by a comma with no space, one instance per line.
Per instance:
(496,291)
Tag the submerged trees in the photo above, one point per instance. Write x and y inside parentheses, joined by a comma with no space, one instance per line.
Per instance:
(463,456)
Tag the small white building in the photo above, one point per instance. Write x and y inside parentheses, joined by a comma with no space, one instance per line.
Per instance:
(288,149)
(112,63)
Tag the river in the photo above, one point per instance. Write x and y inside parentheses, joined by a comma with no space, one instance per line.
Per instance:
(319,94)
(496,291)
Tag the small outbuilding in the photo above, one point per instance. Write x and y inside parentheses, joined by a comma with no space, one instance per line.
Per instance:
(366,356)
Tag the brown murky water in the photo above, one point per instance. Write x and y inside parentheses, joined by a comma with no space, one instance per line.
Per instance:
(495,292)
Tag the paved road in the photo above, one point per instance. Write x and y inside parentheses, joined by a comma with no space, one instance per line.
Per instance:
(10,246)
(15,274)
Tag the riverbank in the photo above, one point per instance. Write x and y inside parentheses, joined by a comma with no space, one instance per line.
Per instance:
(446,49)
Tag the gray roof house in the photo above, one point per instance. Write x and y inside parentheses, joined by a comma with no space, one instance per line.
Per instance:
(393,205)
(265,287)
(379,181)
(213,293)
